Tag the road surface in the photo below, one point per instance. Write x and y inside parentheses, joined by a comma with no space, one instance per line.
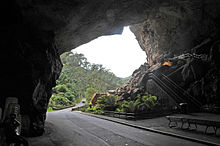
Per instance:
(82,103)
(66,128)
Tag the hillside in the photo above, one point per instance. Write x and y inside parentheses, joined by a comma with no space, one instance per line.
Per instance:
(79,77)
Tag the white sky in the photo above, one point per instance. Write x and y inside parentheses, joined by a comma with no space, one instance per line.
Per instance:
(119,53)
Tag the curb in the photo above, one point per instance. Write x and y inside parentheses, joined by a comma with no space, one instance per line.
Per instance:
(156,131)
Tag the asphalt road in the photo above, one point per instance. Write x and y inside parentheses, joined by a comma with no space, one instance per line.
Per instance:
(82,103)
(66,128)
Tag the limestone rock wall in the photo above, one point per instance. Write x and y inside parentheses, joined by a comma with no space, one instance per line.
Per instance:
(30,66)
(189,78)
(180,27)
(176,27)
(35,32)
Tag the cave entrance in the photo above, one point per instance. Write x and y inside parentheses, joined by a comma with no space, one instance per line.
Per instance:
(119,53)
(99,66)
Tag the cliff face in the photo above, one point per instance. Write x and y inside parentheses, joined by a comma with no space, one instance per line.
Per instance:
(189,78)
(179,28)
(35,32)
(176,27)
(30,70)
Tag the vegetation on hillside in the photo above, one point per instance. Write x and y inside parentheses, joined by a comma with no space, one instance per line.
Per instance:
(81,79)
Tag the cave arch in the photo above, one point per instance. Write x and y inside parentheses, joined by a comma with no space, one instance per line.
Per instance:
(36,32)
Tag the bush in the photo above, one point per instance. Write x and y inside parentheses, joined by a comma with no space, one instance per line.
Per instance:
(94,110)
(118,110)
(129,106)
(141,104)
(150,101)
(99,112)
(61,88)
(70,96)
(89,93)
(89,110)
(49,109)
(59,101)
(107,102)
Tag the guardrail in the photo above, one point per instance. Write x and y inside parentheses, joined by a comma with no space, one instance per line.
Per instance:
(128,116)
(60,108)
(134,116)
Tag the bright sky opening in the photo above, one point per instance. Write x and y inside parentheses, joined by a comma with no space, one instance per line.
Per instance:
(119,53)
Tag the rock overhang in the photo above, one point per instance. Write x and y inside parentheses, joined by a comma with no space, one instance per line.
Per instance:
(36,32)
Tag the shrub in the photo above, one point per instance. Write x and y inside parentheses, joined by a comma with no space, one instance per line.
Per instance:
(107,102)
(150,101)
(94,110)
(89,110)
(129,106)
(89,93)
(56,101)
(61,88)
(49,109)
(99,112)
(141,104)
(69,95)
(118,110)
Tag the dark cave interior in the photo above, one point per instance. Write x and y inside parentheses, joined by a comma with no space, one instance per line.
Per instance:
(35,32)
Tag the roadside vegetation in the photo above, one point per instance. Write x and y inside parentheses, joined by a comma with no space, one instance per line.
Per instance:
(81,79)
(144,103)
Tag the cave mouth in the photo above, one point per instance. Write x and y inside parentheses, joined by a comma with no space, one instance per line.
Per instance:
(100,66)
(115,52)
(38,32)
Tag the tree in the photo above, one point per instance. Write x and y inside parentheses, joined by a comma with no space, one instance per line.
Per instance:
(79,78)
(89,93)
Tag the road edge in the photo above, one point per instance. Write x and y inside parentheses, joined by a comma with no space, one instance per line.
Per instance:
(154,130)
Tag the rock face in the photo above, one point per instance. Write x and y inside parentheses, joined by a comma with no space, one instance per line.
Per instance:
(188,78)
(172,31)
(30,69)
(35,32)
(176,27)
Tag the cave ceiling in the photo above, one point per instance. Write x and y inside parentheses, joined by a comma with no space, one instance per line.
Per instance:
(35,32)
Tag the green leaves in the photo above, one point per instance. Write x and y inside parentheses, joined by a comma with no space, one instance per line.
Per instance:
(141,104)
(59,101)
(89,93)
(94,110)
(61,88)
(79,79)
(107,102)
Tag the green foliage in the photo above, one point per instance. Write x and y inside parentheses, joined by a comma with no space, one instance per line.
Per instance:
(118,110)
(107,102)
(82,74)
(129,106)
(49,109)
(89,93)
(149,100)
(61,88)
(141,104)
(94,110)
(59,101)
(99,112)
(79,79)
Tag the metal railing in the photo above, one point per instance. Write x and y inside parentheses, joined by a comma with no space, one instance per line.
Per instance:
(183,93)
(167,89)
(175,91)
